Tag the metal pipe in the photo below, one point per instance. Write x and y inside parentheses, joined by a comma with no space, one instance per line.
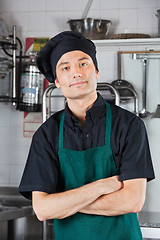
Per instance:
(136,100)
(144,89)
(105,86)
(14,67)
(44,230)
(50,88)
(44,101)
(49,101)
(144,113)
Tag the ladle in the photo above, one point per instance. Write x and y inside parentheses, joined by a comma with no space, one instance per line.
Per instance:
(86,10)
(144,113)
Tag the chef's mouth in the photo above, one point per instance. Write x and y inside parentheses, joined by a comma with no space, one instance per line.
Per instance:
(78,84)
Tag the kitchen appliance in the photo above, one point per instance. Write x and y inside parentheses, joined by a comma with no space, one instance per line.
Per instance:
(91,28)
(5,79)
(31,86)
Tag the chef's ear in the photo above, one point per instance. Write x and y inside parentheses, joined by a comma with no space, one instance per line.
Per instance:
(97,74)
(57,83)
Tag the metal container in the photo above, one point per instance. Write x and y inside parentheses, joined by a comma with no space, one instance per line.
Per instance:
(31,88)
(91,28)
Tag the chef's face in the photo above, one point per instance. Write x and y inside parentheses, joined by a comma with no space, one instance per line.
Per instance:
(76,75)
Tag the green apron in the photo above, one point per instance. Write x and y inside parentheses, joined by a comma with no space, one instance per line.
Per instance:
(78,168)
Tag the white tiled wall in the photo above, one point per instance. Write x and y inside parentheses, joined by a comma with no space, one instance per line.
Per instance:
(13,146)
(45,18)
(48,17)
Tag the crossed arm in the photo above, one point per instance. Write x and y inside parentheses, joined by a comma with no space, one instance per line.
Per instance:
(107,197)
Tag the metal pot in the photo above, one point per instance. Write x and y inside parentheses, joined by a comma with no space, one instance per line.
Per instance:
(91,28)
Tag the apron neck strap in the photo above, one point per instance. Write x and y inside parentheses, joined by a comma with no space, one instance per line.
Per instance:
(108,127)
(61,131)
(108,124)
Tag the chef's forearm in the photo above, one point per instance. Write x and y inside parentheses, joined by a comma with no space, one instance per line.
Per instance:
(126,200)
(61,205)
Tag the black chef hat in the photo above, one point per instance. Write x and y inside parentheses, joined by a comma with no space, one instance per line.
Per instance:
(57,46)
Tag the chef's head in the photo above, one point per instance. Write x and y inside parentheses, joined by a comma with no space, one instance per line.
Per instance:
(57,46)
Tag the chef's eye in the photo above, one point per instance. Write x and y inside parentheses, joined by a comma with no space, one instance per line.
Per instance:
(65,68)
(83,64)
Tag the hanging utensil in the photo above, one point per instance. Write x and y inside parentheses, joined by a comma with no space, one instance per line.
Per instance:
(86,10)
(122,85)
(144,113)
(125,89)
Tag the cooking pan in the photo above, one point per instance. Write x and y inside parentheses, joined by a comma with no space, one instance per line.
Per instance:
(123,86)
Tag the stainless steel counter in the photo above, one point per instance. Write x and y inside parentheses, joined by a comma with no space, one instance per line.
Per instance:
(10,213)
(17,218)
(13,205)
(16,210)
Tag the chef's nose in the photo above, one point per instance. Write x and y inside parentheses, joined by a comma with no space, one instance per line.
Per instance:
(77,73)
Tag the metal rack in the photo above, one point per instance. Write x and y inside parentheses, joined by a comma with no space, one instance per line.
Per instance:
(48,95)
(144,56)
(108,91)
(11,44)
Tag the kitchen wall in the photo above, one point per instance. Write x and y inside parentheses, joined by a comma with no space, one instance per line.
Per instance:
(45,18)
(48,17)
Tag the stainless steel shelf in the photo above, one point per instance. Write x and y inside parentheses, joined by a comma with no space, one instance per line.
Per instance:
(127,42)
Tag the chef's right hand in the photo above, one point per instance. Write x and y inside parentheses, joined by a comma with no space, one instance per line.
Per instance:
(110,184)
